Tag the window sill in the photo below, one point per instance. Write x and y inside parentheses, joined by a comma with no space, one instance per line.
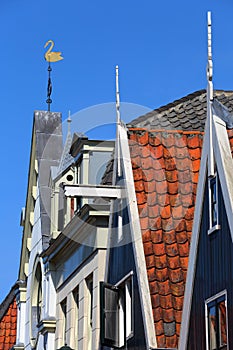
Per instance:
(213,229)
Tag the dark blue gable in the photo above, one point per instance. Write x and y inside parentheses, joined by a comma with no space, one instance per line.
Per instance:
(214,273)
(122,262)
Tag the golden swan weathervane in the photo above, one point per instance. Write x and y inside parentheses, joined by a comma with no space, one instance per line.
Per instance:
(51,56)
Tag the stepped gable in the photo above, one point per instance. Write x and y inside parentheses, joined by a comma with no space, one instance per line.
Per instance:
(165,168)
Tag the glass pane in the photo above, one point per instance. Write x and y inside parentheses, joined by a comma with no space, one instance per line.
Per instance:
(222,323)
(214,214)
(128,307)
(213,201)
(111,315)
(212,327)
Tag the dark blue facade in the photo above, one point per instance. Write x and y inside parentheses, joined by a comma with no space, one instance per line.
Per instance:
(214,273)
(121,263)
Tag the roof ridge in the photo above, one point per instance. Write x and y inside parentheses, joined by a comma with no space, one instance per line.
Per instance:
(167,131)
(183,99)
(186,113)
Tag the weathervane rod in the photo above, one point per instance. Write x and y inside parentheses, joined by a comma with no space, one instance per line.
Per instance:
(51,57)
(49,87)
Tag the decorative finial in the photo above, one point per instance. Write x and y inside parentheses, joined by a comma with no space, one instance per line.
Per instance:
(117,95)
(69,121)
(51,57)
(210,62)
(210,96)
(118,122)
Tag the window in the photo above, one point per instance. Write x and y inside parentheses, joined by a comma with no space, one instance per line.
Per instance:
(89,283)
(36,303)
(213,204)
(64,320)
(216,310)
(116,309)
(76,315)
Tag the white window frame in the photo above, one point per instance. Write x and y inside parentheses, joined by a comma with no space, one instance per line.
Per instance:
(207,302)
(64,320)
(213,226)
(76,315)
(90,299)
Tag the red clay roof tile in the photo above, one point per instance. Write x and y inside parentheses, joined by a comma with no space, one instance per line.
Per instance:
(8,326)
(165,168)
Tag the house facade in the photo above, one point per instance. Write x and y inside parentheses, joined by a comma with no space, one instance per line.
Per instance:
(128,244)
(64,240)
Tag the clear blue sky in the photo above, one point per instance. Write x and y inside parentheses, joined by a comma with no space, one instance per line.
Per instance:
(160,47)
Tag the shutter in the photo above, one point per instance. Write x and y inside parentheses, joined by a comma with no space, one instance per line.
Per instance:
(109,313)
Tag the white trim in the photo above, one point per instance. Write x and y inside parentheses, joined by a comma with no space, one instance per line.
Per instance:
(216,296)
(193,249)
(224,164)
(92,191)
(137,243)
(130,274)
(213,229)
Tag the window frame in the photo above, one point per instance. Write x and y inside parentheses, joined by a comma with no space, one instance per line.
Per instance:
(213,205)
(63,310)
(90,305)
(36,301)
(123,306)
(76,315)
(214,302)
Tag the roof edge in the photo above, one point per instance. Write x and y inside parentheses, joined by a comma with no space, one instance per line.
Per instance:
(8,300)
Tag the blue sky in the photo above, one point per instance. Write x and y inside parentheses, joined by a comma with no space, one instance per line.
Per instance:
(160,47)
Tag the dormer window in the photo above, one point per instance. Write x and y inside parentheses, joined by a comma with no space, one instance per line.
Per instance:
(213,204)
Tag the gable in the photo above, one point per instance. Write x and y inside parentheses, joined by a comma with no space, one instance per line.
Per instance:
(213,274)
(46,146)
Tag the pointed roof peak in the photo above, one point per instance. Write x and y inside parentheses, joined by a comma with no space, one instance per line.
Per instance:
(69,121)
(209,42)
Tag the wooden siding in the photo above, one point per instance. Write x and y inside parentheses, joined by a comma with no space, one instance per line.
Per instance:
(214,273)
(121,262)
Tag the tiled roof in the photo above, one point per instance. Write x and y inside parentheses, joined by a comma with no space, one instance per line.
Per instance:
(187,113)
(165,169)
(8,322)
(230,136)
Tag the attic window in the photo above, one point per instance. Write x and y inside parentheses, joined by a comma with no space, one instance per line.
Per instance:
(216,322)
(213,204)
(116,305)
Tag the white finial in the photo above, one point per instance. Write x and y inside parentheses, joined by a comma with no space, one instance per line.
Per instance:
(69,121)
(210,62)
(210,96)
(118,123)
(117,95)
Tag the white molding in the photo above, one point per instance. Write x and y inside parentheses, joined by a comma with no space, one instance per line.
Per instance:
(224,164)
(213,229)
(137,243)
(92,191)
